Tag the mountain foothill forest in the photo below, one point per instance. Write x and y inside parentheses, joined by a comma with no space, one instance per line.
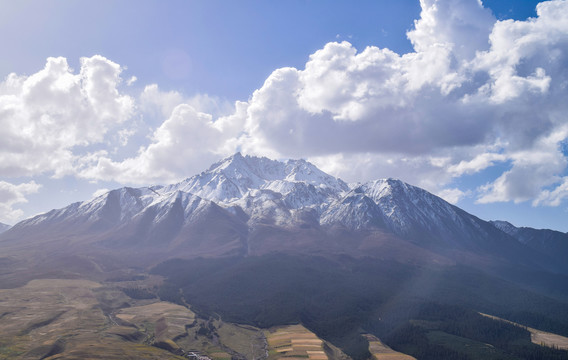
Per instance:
(260,259)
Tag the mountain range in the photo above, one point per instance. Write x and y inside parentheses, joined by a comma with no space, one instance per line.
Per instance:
(244,205)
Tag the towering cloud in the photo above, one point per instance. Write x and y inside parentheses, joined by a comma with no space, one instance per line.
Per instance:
(45,116)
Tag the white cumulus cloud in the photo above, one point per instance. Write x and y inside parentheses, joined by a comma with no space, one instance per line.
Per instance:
(11,195)
(453,196)
(476,92)
(553,197)
(186,141)
(45,115)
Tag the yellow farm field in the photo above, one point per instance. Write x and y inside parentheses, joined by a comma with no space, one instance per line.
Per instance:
(380,351)
(294,341)
(297,342)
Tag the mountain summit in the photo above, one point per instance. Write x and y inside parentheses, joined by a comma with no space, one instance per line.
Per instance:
(232,178)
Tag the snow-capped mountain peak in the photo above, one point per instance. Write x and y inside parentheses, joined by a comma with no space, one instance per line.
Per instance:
(304,171)
(406,211)
(124,202)
(354,211)
(408,208)
(232,178)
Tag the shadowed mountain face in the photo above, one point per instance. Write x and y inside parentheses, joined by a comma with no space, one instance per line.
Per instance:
(246,205)
(549,242)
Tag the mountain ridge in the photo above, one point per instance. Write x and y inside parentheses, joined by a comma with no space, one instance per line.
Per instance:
(549,242)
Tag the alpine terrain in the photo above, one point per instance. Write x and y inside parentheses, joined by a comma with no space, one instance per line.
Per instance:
(253,244)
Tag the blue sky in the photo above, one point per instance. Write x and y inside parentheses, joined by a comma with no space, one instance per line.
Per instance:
(232,46)
(448,95)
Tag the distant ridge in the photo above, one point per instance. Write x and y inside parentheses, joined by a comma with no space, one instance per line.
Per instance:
(550,242)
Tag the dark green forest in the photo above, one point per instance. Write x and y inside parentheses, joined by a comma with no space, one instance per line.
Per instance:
(427,312)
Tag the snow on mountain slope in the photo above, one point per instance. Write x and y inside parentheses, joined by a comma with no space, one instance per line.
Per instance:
(411,213)
(508,228)
(537,238)
(355,211)
(111,208)
(410,210)
(176,221)
(265,206)
(119,206)
(186,205)
(144,223)
(227,180)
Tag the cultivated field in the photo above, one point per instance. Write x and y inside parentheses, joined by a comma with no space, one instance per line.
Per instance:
(380,351)
(295,342)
